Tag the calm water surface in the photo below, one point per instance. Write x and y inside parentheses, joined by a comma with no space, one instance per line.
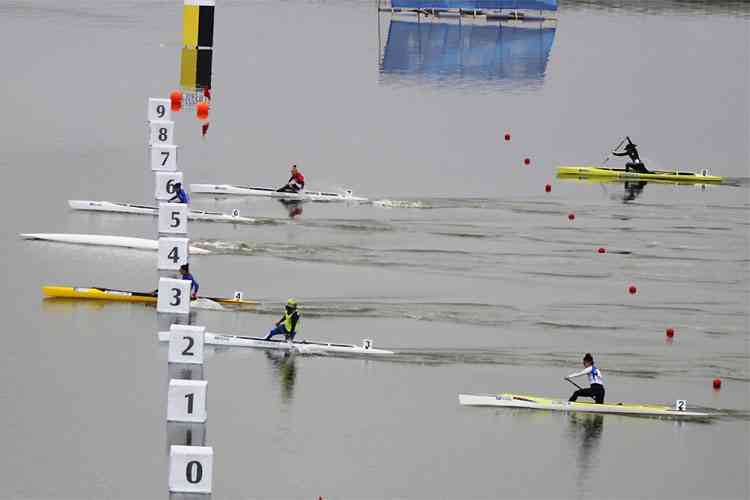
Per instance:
(464,264)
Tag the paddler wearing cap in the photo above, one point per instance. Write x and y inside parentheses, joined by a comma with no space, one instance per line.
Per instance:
(180,196)
(287,325)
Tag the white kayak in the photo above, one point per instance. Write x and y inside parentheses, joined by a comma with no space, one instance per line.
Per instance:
(678,411)
(300,346)
(131,208)
(104,240)
(229,189)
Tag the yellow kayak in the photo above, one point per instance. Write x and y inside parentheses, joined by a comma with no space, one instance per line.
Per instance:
(592,171)
(98,293)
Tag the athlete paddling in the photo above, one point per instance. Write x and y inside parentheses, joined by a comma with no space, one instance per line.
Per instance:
(180,196)
(287,325)
(596,390)
(295,184)
(185,275)
(635,164)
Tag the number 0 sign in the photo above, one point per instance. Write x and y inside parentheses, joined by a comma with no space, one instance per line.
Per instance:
(190,469)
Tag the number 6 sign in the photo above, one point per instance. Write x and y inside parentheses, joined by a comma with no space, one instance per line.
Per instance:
(174,296)
(165,182)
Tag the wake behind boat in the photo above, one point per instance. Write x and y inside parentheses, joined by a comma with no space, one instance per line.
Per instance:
(131,208)
(678,411)
(113,295)
(591,171)
(230,189)
(104,240)
(299,346)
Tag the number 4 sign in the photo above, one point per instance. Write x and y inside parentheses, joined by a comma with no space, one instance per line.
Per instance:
(173,253)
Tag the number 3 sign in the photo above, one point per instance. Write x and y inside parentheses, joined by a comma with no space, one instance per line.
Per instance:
(174,296)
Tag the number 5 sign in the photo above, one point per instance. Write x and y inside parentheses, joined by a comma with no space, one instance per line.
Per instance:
(174,296)
(173,218)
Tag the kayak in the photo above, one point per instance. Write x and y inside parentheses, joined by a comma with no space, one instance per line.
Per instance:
(109,294)
(131,208)
(227,189)
(621,173)
(678,411)
(104,240)
(299,346)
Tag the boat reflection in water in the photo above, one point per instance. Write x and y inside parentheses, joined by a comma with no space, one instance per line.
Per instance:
(510,55)
(631,189)
(283,363)
(584,434)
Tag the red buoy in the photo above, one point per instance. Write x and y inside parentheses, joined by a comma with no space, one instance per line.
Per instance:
(717,383)
(175,96)
(507,136)
(548,187)
(601,250)
(176,106)
(632,289)
(670,332)
(207,93)
(527,161)
(571,216)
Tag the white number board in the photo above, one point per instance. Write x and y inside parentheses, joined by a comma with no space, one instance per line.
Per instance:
(186,401)
(186,344)
(159,109)
(190,469)
(165,181)
(173,253)
(173,218)
(164,158)
(161,132)
(174,296)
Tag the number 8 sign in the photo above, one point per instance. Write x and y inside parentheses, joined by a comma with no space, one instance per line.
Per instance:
(174,296)
(161,132)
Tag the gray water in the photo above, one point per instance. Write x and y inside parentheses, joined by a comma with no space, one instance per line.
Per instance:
(465,265)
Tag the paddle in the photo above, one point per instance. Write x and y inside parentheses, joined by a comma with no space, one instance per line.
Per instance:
(615,149)
(566,378)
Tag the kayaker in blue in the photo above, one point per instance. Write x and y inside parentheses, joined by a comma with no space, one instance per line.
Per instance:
(287,325)
(596,381)
(180,196)
(185,275)
(635,164)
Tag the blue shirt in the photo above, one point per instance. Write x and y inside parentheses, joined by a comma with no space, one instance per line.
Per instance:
(193,283)
(181,196)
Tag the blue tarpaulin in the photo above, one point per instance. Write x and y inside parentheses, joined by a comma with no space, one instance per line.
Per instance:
(476,4)
(446,53)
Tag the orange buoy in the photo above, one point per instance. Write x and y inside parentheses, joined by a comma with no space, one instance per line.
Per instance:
(527,161)
(176,106)
(670,332)
(201,110)
(632,289)
(717,383)
(507,136)
(571,216)
(548,187)
(175,96)
(601,250)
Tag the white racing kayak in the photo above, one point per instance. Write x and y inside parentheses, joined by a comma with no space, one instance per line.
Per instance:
(300,346)
(678,411)
(130,208)
(104,240)
(229,189)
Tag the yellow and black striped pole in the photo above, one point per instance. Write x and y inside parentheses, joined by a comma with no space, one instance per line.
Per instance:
(198,24)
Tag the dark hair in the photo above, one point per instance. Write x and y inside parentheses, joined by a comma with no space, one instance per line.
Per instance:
(185,268)
(588,358)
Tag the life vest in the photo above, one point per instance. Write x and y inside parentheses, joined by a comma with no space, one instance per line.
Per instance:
(288,324)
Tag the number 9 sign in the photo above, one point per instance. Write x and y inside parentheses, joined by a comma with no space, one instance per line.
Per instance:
(159,109)
(174,296)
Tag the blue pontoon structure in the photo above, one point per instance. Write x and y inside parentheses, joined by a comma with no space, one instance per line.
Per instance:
(510,55)
(491,9)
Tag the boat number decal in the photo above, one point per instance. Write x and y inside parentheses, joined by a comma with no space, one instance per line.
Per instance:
(174,255)
(176,297)
(165,154)
(237,295)
(175,220)
(170,186)
(189,398)
(187,351)
(194,472)
(681,405)
(161,111)
(367,343)
(235,213)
